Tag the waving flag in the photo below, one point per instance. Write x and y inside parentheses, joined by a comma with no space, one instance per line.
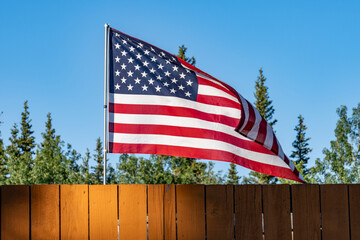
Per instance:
(160,104)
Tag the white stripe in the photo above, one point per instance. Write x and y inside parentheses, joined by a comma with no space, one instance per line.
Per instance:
(173,121)
(196,143)
(255,129)
(269,137)
(173,102)
(211,91)
(245,108)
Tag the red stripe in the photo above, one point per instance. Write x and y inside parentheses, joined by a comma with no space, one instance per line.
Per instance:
(217,101)
(275,147)
(203,154)
(262,132)
(251,120)
(203,81)
(187,132)
(171,111)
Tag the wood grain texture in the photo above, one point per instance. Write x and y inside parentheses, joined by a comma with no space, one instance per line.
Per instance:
(306,211)
(276,208)
(190,212)
(354,198)
(45,219)
(15,218)
(169,212)
(103,212)
(156,211)
(220,212)
(248,212)
(133,211)
(335,212)
(74,211)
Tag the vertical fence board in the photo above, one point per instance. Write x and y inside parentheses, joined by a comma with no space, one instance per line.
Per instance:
(334,209)
(190,212)
(156,211)
(103,211)
(45,222)
(169,212)
(354,198)
(132,211)
(220,212)
(15,212)
(306,212)
(74,211)
(248,212)
(276,207)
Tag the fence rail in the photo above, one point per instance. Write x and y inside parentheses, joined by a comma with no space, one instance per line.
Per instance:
(182,212)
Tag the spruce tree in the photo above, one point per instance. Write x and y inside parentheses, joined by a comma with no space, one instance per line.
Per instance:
(84,169)
(3,161)
(20,151)
(72,170)
(98,169)
(182,54)
(264,105)
(49,163)
(232,176)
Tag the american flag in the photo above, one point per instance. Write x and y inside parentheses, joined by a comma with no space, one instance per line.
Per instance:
(160,104)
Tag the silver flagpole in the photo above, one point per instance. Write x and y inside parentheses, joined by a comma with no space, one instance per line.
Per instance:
(107,27)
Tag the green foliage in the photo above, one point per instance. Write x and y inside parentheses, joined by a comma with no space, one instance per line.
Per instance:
(49,163)
(182,55)
(264,105)
(3,161)
(341,161)
(72,169)
(99,167)
(20,151)
(85,176)
(232,176)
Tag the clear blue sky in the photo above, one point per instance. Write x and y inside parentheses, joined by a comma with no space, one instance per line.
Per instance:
(51,54)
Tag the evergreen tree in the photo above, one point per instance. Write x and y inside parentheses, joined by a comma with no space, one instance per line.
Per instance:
(210,176)
(49,162)
(341,161)
(264,105)
(232,176)
(99,167)
(72,170)
(84,169)
(127,169)
(182,55)
(110,175)
(20,151)
(3,161)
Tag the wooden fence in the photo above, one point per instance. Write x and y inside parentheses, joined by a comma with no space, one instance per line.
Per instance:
(273,212)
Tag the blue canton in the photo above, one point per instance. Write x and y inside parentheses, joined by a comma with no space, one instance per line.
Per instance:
(137,67)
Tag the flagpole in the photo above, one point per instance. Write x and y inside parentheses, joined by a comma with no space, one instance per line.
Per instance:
(107,27)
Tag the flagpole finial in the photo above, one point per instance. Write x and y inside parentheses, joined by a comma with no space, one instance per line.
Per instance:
(106,25)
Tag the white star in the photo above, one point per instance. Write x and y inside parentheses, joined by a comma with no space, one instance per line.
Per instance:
(140,45)
(172,91)
(117,86)
(151,81)
(144,88)
(152,49)
(146,52)
(162,53)
(132,49)
(174,80)
(181,87)
(124,41)
(175,68)
(173,58)
(123,53)
(123,80)
(117,59)
(152,70)
(167,73)
(117,46)
(167,61)
(160,66)
(153,59)
(145,63)
(182,75)
(158,88)
(131,60)
(159,77)
(187,94)
(187,70)
(189,82)
(123,66)
(166,84)
(137,67)
(130,87)
(143,74)
(117,73)
(116,34)
(137,80)
(138,56)
(130,73)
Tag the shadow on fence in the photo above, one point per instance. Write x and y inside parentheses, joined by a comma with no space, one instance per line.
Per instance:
(181,212)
